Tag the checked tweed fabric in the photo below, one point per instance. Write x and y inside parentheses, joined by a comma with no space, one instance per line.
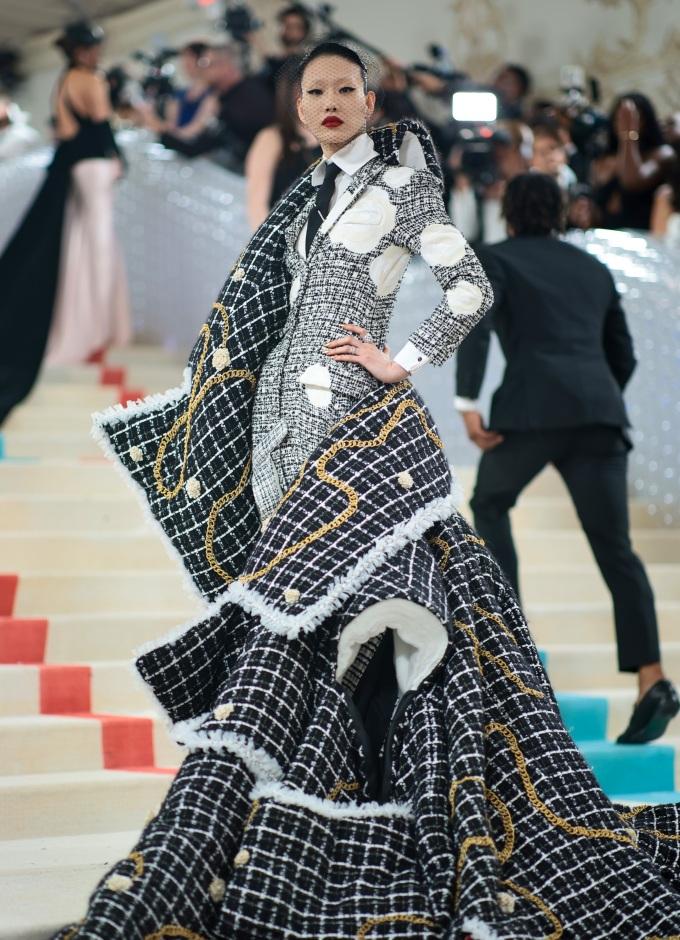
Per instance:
(496,828)
(202,454)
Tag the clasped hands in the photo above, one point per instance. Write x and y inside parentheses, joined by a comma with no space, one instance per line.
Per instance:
(353,348)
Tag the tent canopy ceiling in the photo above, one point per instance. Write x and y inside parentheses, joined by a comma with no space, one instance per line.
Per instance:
(21,20)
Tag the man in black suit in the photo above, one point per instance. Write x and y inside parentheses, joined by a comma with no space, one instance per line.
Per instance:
(568,356)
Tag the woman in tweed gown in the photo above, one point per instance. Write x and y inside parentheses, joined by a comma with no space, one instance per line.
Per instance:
(374,747)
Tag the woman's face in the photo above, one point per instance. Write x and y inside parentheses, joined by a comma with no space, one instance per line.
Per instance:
(88,56)
(333,92)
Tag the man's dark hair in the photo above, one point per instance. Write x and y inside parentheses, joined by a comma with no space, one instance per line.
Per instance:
(197,48)
(522,75)
(334,48)
(295,9)
(533,205)
(544,127)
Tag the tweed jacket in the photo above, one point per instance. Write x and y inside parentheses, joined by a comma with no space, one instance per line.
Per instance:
(189,452)
(352,273)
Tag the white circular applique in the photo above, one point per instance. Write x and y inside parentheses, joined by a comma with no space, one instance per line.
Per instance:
(119,883)
(387,269)
(506,902)
(238,274)
(361,227)
(193,487)
(136,453)
(221,359)
(317,383)
(242,858)
(223,711)
(405,479)
(291,595)
(397,176)
(217,889)
(441,244)
(464,297)
(294,289)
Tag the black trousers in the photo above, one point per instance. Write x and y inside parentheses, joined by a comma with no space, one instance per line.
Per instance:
(592,461)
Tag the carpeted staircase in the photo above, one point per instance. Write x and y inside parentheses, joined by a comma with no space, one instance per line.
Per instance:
(84,580)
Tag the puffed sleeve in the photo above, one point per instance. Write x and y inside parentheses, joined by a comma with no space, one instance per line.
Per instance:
(423,227)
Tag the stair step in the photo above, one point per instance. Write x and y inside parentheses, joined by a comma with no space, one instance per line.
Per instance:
(585,717)
(592,622)
(57,743)
(40,551)
(570,669)
(50,444)
(69,395)
(45,882)
(42,594)
(100,687)
(631,768)
(87,801)
(565,547)
(558,583)
(68,515)
(62,478)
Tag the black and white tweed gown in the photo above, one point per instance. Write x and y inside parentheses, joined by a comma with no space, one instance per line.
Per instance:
(485,821)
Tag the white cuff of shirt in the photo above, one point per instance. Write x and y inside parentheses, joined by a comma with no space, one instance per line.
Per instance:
(410,358)
(465,404)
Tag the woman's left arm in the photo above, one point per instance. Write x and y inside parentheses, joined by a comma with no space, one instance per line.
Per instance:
(423,226)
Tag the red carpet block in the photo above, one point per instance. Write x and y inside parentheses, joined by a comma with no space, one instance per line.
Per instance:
(64,689)
(22,641)
(130,394)
(112,375)
(8,593)
(127,741)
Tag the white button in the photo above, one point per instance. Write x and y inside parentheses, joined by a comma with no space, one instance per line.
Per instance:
(224,711)
(136,454)
(405,479)
(242,858)
(291,595)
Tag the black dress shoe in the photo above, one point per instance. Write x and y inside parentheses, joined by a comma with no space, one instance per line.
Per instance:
(651,714)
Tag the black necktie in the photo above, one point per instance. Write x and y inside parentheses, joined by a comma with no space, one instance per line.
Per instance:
(320,207)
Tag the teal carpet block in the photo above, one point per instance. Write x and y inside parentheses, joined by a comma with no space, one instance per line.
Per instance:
(585,716)
(543,656)
(657,796)
(2,447)
(631,768)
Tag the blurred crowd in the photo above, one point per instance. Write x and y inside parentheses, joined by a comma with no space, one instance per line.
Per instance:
(232,98)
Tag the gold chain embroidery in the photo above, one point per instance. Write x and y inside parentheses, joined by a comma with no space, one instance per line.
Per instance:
(446,550)
(635,810)
(138,859)
(253,813)
(343,787)
(542,906)
(474,538)
(480,653)
(664,836)
(498,805)
(497,619)
(368,926)
(553,818)
(217,507)
(350,492)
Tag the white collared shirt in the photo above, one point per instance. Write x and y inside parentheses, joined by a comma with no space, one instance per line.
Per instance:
(351,158)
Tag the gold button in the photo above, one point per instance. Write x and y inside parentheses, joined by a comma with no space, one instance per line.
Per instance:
(241,858)
(193,487)
(221,359)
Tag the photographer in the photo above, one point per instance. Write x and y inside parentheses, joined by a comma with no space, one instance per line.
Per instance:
(192,109)
(636,162)
(568,356)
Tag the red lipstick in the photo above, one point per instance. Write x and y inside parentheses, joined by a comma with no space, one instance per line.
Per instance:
(332,121)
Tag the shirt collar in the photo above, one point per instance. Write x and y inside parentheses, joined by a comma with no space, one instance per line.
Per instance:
(349,158)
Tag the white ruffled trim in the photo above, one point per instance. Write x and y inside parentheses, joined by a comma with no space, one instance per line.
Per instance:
(261,764)
(294,797)
(122,414)
(478,930)
(291,625)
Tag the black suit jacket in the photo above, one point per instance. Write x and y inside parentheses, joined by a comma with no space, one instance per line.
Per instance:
(563,332)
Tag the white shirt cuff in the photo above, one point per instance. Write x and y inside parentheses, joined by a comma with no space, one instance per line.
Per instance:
(410,358)
(465,404)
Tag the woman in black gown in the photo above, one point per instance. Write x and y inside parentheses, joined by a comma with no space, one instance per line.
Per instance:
(30,264)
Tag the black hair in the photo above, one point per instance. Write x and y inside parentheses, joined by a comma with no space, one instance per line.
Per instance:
(197,48)
(545,127)
(533,205)
(651,135)
(78,35)
(522,75)
(337,49)
(294,9)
